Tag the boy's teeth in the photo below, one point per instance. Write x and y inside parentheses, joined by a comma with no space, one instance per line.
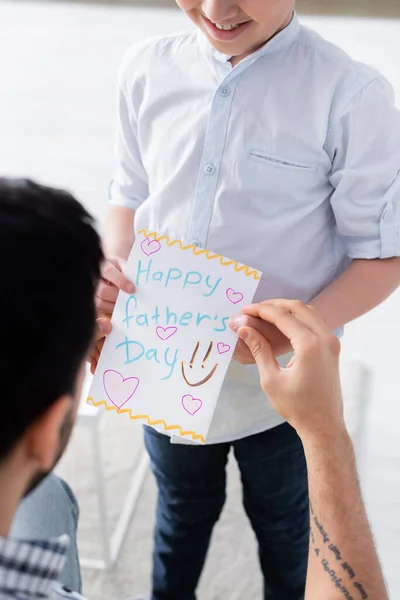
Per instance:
(226,27)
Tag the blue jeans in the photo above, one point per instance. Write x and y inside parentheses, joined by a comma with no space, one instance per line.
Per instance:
(191,494)
(49,511)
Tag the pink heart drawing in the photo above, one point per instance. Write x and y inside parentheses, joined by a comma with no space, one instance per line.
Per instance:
(223,348)
(118,389)
(234,297)
(191,405)
(150,247)
(164,333)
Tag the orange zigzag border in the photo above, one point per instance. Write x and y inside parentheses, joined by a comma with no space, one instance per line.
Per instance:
(195,436)
(248,272)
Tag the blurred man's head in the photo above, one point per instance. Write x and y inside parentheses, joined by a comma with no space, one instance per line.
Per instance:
(50,257)
(238,27)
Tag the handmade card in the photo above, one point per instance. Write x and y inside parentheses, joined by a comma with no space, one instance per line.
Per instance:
(170,347)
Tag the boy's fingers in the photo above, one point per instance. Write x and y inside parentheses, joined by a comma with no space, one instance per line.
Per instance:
(235,323)
(104,307)
(261,352)
(103,327)
(119,262)
(106,291)
(111,273)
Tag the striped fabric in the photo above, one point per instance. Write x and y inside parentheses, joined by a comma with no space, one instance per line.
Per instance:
(30,570)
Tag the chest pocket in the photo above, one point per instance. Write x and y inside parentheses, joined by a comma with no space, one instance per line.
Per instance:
(280,163)
(279,183)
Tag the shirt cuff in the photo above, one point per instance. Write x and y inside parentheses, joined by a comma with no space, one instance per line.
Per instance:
(390,233)
(117,199)
(387,245)
(128,203)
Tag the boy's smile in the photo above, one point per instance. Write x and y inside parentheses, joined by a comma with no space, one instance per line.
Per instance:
(238,27)
(226,32)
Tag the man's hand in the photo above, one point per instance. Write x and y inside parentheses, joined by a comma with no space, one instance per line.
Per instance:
(112,281)
(307,392)
(103,328)
(277,340)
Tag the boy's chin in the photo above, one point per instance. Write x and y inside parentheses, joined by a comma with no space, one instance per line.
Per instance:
(237,50)
(234,50)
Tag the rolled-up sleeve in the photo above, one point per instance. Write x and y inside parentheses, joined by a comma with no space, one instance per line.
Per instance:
(364,146)
(129,186)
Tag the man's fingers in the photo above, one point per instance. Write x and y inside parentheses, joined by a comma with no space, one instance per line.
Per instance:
(261,352)
(111,273)
(306,315)
(242,354)
(286,322)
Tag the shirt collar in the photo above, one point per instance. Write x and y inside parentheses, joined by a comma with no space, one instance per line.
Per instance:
(280,41)
(31,569)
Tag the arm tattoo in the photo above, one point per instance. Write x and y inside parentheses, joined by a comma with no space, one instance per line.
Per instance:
(337,581)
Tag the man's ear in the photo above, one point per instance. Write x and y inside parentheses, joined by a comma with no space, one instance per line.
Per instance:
(43,436)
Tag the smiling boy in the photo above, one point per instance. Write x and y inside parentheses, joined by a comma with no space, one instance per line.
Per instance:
(253,137)
(239,29)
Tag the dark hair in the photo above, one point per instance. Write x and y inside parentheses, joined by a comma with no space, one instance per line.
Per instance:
(50,257)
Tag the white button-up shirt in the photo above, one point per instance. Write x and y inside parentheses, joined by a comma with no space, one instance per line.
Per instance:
(288,162)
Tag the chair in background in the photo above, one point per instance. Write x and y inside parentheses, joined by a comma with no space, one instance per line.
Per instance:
(111,541)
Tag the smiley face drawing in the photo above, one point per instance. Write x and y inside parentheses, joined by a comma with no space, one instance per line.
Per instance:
(191,365)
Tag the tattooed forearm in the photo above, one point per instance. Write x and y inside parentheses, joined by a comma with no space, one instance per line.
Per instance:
(337,581)
(344,587)
(360,588)
(312,536)
(321,529)
(336,552)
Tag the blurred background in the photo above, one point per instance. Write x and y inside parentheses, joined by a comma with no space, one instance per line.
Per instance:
(58,63)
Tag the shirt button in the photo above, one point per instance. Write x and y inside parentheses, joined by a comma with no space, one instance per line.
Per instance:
(209,169)
(196,243)
(225,91)
(387,216)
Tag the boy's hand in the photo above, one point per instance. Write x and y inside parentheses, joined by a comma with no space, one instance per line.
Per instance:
(102,331)
(278,341)
(112,281)
(307,392)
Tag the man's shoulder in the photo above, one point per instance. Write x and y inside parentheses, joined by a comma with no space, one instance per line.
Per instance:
(157,52)
(61,593)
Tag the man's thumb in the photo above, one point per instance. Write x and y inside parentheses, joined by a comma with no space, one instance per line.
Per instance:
(260,349)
